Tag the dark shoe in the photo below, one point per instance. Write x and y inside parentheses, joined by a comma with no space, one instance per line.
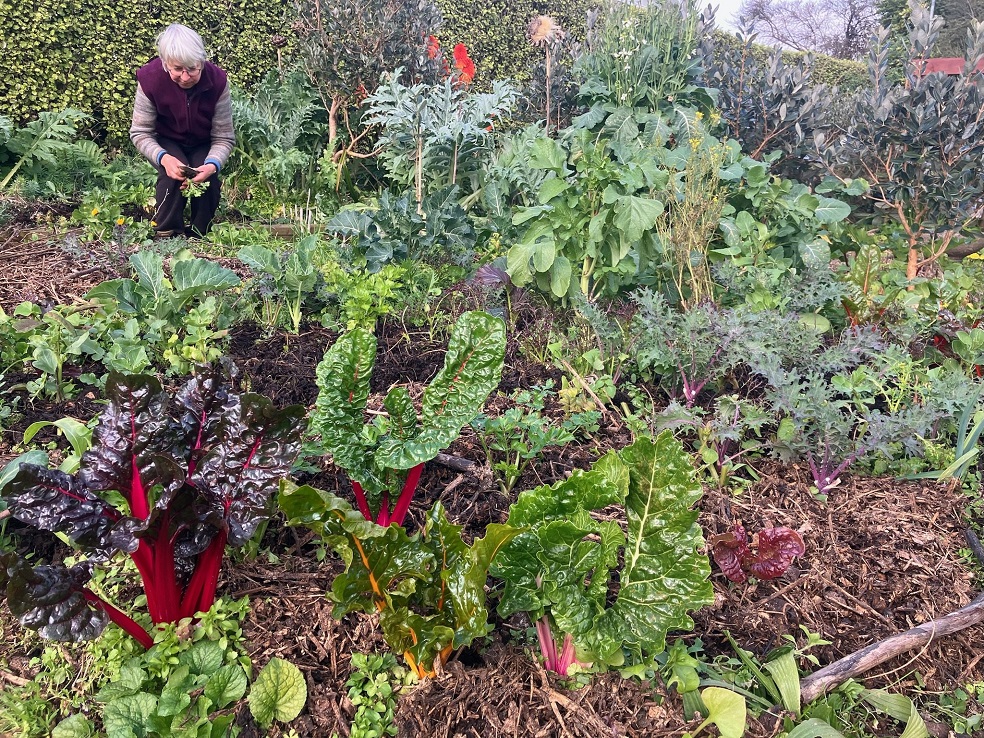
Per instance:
(165,234)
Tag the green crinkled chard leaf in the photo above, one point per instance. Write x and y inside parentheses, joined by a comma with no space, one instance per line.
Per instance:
(429,588)
(279,693)
(589,490)
(564,561)
(472,369)
(343,390)
(402,414)
(664,576)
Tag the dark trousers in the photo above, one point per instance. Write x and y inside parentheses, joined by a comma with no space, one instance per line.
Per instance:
(171,199)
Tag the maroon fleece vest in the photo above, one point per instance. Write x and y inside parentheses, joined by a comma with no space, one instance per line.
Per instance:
(184,115)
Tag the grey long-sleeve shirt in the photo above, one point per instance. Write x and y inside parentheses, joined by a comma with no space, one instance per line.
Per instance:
(143,131)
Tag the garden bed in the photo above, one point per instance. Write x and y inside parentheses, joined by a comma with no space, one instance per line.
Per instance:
(881,556)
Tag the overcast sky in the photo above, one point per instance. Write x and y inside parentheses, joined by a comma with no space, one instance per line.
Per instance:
(726,11)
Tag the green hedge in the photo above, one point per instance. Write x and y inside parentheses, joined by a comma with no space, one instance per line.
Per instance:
(66,53)
(846,74)
(495,32)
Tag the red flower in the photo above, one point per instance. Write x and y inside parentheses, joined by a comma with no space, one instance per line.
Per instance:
(464,65)
(433,47)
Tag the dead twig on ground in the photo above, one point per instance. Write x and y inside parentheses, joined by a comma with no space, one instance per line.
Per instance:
(832,675)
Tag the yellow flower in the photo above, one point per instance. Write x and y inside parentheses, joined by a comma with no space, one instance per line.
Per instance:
(95,211)
(715,117)
(119,221)
(153,224)
(698,115)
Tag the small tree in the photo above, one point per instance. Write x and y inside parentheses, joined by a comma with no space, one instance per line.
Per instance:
(346,45)
(918,144)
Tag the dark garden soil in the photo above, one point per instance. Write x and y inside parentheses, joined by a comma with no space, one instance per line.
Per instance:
(881,556)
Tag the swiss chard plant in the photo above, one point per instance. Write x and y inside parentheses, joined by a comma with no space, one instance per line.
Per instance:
(428,588)
(560,569)
(171,479)
(384,458)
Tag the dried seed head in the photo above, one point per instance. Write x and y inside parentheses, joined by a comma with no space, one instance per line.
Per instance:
(544,30)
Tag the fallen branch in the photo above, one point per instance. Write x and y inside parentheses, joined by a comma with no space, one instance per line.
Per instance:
(832,675)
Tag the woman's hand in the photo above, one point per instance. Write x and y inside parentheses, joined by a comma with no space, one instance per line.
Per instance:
(172,166)
(205,171)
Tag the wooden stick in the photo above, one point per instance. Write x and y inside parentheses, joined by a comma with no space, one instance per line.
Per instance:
(832,675)
(455,462)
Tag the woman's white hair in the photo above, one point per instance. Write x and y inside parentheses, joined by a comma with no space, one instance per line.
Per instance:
(179,44)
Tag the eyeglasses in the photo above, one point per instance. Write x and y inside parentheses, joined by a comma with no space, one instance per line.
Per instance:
(178,71)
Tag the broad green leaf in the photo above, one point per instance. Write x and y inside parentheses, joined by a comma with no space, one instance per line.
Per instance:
(664,575)
(518,263)
(128,716)
(899,707)
(547,153)
(175,697)
(815,254)
(75,726)
(36,457)
(551,187)
(279,693)
(814,321)
(785,675)
(544,255)
(76,433)
(635,215)
(726,709)
(149,267)
(226,686)
(194,276)
(814,728)
(831,211)
(343,391)
(260,259)
(560,276)
(203,658)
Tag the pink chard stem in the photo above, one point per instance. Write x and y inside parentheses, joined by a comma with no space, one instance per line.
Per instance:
(409,487)
(123,620)
(360,500)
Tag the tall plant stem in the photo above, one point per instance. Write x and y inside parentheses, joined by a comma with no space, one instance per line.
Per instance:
(547,46)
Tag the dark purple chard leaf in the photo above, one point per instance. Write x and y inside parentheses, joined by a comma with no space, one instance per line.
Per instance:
(729,551)
(51,600)
(207,403)
(52,500)
(239,475)
(131,443)
(777,547)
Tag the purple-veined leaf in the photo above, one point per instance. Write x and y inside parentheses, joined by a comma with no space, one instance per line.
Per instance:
(777,547)
(52,500)
(51,599)
(238,476)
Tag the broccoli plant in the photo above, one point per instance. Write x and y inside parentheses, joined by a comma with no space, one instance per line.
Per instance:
(171,479)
